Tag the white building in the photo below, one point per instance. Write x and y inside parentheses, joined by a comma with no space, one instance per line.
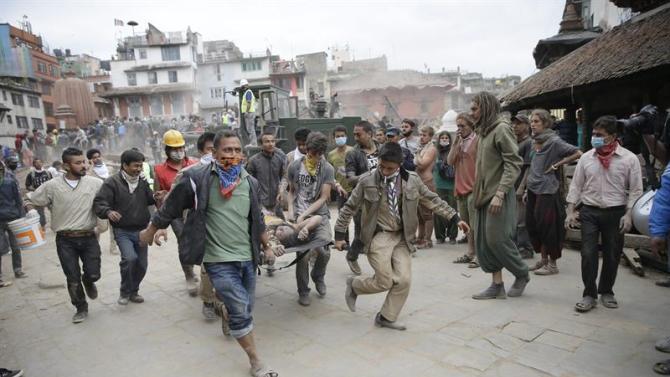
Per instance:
(220,70)
(603,14)
(155,75)
(21,109)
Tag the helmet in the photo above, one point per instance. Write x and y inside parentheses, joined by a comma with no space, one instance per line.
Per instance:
(244,82)
(641,211)
(173,138)
(449,121)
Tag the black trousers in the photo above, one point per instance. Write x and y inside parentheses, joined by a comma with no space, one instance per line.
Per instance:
(70,251)
(604,224)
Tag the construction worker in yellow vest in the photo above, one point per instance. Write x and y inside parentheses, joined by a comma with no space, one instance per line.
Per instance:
(225,120)
(248,110)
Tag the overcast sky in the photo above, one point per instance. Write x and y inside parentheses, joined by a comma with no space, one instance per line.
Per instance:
(495,37)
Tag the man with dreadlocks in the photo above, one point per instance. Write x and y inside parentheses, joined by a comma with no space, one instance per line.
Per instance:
(498,165)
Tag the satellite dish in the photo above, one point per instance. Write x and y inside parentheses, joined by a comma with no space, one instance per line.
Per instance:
(132,23)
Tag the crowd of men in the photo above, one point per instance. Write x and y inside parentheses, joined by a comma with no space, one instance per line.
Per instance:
(499,181)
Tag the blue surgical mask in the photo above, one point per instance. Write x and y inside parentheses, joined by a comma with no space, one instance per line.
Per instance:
(340,141)
(597,141)
(206,158)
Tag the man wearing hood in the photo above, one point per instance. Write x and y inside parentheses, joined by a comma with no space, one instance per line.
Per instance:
(224,230)
(124,199)
(498,164)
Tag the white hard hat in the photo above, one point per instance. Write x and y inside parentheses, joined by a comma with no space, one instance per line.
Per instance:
(244,82)
(449,121)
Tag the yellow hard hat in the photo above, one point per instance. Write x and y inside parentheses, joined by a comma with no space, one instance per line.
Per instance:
(173,138)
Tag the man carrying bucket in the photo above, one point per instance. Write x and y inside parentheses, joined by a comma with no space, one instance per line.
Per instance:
(11,208)
(70,201)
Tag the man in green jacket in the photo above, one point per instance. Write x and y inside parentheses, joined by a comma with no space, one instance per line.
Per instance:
(498,165)
(388,198)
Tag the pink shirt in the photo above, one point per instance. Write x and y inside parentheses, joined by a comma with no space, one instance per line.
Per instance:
(465,166)
(620,185)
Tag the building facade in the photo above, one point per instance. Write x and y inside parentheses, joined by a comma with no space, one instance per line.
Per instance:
(154,75)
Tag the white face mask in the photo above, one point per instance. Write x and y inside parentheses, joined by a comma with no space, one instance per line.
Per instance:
(176,155)
(444,143)
(340,141)
(206,158)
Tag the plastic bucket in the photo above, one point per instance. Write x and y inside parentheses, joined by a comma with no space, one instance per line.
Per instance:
(28,233)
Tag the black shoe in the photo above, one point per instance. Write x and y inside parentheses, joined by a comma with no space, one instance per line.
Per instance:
(304,300)
(10,373)
(664,283)
(136,298)
(80,316)
(208,311)
(452,241)
(383,322)
(20,274)
(91,290)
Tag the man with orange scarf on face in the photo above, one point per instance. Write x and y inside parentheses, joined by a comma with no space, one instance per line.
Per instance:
(310,180)
(224,205)
(608,182)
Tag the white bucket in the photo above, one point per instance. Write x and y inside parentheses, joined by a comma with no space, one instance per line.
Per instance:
(28,232)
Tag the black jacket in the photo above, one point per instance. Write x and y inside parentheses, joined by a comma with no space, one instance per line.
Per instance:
(114,195)
(192,192)
(11,205)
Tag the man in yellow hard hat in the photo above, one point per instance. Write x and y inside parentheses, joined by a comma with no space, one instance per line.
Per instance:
(164,176)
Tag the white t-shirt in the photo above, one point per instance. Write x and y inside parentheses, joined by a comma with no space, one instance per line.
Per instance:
(72,184)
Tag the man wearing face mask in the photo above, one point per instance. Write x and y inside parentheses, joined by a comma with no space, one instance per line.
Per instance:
(393,136)
(124,199)
(388,198)
(362,159)
(164,176)
(337,158)
(70,201)
(608,182)
(225,231)
(409,140)
(310,180)
(12,163)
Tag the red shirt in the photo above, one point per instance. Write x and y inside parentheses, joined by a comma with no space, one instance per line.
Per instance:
(165,173)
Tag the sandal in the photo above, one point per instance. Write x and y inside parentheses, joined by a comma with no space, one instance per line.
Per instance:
(586,304)
(424,245)
(539,264)
(263,371)
(464,259)
(473,264)
(609,301)
(663,367)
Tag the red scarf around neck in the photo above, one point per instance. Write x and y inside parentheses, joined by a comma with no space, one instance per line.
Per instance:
(606,152)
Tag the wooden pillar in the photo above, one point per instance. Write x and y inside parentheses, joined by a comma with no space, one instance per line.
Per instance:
(588,118)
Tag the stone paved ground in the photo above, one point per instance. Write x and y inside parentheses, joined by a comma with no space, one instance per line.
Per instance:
(449,333)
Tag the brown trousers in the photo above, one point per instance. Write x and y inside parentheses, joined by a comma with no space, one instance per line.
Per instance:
(390,259)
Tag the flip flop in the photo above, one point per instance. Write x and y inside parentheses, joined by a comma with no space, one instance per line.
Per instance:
(663,367)
(463,259)
(609,301)
(586,304)
(263,371)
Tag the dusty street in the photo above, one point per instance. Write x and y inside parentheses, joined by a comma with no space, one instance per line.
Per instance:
(449,334)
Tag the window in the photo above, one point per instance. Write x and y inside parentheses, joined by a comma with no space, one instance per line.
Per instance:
(46,88)
(22,122)
(41,67)
(37,123)
(34,102)
(132,79)
(9,119)
(134,107)
(143,53)
(216,92)
(53,70)
(153,78)
(170,53)
(156,105)
(48,109)
(4,95)
(17,99)
(298,83)
(218,72)
(172,76)
(254,65)
(178,104)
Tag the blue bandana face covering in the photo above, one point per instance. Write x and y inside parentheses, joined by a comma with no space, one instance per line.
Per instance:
(228,179)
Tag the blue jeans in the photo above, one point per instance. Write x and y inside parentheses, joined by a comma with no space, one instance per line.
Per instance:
(134,261)
(235,284)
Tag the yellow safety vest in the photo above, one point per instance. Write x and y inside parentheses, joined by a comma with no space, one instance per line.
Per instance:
(148,174)
(243,108)
(225,119)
